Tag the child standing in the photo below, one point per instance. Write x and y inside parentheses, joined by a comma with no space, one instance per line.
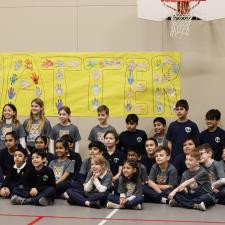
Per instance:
(65,127)
(180,129)
(95,189)
(37,124)
(214,135)
(162,177)
(62,167)
(8,123)
(195,190)
(13,179)
(148,159)
(6,155)
(159,124)
(129,189)
(114,157)
(97,132)
(38,184)
(132,137)
(215,170)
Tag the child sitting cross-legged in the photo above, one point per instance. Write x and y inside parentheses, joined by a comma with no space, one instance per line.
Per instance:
(95,188)
(38,183)
(129,189)
(195,191)
(162,178)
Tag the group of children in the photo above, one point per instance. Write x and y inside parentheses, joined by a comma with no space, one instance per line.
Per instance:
(39,163)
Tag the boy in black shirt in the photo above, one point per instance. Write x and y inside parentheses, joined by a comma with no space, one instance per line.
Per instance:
(38,184)
(13,179)
(214,135)
(132,137)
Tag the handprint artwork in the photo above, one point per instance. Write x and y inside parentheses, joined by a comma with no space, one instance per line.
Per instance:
(11,93)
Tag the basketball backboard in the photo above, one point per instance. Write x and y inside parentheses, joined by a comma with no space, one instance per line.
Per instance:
(156,11)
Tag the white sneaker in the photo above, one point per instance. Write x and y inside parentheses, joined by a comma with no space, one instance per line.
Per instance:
(200,206)
(138,206)
(111,205)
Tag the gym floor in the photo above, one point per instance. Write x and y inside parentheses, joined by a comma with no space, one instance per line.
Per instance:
(62,213)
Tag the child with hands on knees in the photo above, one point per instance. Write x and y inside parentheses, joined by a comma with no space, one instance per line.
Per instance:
(129,190)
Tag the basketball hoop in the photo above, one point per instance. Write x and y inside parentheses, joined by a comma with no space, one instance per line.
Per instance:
(181,15)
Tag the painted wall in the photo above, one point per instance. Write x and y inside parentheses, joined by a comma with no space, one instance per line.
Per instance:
(112,25)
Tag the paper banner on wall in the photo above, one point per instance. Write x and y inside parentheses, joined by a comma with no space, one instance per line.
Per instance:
(147,83)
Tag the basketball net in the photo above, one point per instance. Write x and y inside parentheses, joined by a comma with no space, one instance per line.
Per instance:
(180,24)
(181,17)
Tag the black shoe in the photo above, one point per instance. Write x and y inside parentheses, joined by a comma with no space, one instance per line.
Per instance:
(95,204)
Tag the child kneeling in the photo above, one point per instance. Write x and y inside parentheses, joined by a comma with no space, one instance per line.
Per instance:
(129,189)
(38,183)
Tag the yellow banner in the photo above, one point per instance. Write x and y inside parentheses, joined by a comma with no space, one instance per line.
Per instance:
(145,83)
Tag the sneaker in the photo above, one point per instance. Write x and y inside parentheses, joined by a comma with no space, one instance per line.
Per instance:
(111,205)
(138,206)
(17,200)
(173,203)
(44,201)
(95,204)
(200,206)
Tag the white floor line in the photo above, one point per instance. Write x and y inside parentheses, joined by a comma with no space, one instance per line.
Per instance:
(109,216)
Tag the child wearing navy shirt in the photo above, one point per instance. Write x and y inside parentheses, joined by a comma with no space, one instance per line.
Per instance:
(180,129)
(13,179)
(6,154)
(132,137)
(148,159)
(214,135)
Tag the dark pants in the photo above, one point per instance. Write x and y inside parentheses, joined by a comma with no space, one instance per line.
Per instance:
(78,196)
(220,196)
(48,192)
(115,198)
(61,188)
(188,200)
(151,195)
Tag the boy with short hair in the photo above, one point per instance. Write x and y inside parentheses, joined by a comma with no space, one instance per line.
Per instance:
(97,132)
(38,184)
(134,155)
(213,135)
(215,170)
(13,179)
(132,137)
(162,177)
(148,159)
(180,129)
(95,148)
(195,191)
(159,124)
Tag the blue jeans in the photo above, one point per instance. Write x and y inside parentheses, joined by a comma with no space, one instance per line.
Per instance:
(78,196)
(188,200)
(153,196)
(48,192)
(115,198)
